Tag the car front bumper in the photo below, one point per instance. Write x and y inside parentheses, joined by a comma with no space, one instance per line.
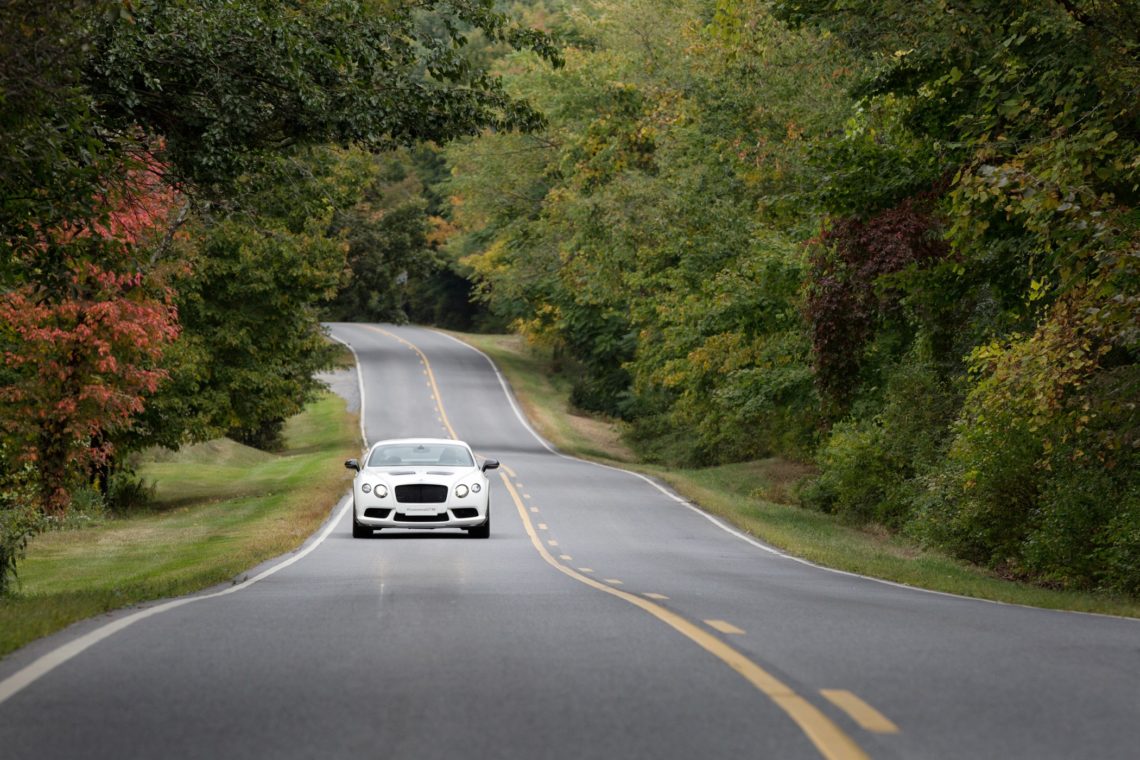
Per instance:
(420,517)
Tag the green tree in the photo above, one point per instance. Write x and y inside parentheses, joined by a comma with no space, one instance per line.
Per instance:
(206,96)
(663,183)
(1029,112)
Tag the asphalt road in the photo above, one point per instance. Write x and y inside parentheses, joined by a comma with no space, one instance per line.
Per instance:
(605,618)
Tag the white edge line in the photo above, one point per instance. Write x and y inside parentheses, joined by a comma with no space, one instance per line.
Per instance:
(359,385)
(48,662)
(733,531)
(53,659)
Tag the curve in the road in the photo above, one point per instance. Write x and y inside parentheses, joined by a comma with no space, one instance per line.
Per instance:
(831,741)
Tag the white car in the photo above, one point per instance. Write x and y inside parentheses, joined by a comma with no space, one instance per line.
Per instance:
(421,483)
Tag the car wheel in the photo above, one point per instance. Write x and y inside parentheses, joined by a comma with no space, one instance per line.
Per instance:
(358,530)
(484,530)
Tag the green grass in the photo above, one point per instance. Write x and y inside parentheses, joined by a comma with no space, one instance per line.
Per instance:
(220,509)
(752,496)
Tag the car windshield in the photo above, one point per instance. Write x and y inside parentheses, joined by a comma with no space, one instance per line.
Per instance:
(445,454)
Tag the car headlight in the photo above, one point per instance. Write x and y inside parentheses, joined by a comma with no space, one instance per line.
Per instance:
(461,491)
(381,490)
(366,488)
(476,487)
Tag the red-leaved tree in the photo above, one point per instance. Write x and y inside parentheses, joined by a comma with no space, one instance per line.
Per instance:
(81,350)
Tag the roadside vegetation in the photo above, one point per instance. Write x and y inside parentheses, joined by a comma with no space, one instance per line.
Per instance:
(763,497)
(895,239)
(214,510)
(185,185)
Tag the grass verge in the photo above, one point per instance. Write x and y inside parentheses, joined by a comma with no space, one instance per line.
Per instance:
(221,508)
(747,495)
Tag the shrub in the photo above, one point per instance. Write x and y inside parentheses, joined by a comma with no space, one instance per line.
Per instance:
(872,463)
(1085,527)
(19,521)
(982,498)
(128,492)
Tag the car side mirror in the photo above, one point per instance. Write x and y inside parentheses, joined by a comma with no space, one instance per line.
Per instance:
(352,464)
(490,464)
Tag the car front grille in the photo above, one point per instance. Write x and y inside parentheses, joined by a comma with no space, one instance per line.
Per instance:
(421,493)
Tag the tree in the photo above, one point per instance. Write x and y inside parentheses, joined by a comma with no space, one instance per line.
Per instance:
(205,96)
(663,181)
(226,82)
(1028,112)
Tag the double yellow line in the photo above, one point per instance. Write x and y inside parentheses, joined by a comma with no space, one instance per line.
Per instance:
(430,375)
(831,741)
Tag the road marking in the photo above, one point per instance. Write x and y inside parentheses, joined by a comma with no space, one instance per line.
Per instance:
(542,526)
(48,662)
(724,626)
(526,496)
(552,542)
(431,377)
(585,569)
(53,659)
(510,472)
(658,597)
(827,737)
(614,582)
(506,388)
(831,741)
(565,557)
(861,712)
(534,510)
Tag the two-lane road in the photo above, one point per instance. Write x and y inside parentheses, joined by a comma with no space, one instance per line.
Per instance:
(605,618)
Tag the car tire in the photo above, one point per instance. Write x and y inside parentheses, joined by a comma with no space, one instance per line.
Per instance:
(484,530)
(358,530)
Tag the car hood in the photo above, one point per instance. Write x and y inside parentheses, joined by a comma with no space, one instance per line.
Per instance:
(443,475)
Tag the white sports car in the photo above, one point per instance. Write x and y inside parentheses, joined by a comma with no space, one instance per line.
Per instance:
(421,483)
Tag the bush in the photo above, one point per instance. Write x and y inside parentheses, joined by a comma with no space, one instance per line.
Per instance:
(872,463)
(127,492)
(1080,525)
(981,501)
(19,521)
(87,506)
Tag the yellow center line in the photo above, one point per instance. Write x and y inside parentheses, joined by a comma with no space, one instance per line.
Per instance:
(431,378)
(827,737)
(723,626)
(861,712)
